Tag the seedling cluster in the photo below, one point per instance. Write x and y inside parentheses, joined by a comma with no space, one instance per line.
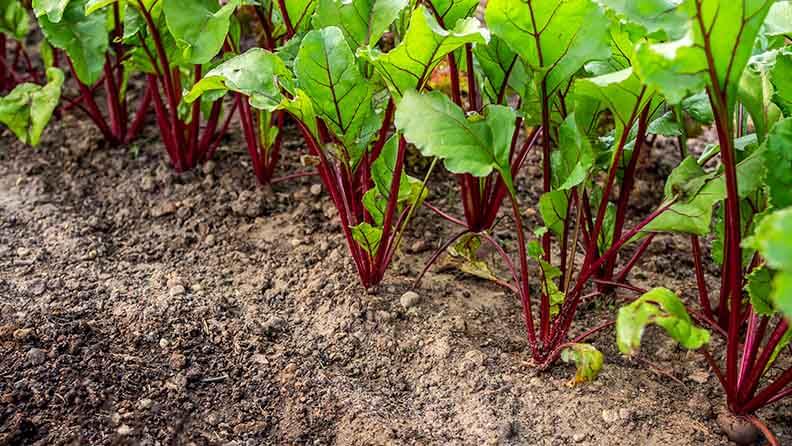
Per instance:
(586,85)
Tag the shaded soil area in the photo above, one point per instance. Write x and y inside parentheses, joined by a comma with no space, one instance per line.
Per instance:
(142,307)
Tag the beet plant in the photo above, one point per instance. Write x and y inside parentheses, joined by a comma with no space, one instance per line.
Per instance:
(174,43)
(250,74)
(732,50)
(578,77)
(15,62)
(90,35)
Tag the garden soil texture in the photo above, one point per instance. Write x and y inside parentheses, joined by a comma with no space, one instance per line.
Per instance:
(138,306)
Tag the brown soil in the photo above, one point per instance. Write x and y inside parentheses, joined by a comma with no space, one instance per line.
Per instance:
(141,307)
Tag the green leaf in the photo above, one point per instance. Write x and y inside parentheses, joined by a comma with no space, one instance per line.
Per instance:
(772,239)
(426,43)
(254,74)
(553,209)
(655,16)
(199,26)
(300,12)
(573,160)
(502,69)
(621,92)
(569,33)
(587,359)
(779,163)
(84,38)
(53,10)
(362,21)
(696,192)
(665,125)
(301,108)
(727,28)
(28,108)
(411,190)
(14,20)
(759,288)
(326,70)
(451,11)
(755,92)
(368,237)
(661,307)
(476,144)
(782,295)
(95,5)
(779,19)
(782,81)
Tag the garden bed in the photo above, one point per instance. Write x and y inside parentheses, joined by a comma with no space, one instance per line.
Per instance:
(138,306)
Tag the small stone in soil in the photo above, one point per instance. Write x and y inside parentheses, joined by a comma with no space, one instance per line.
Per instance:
(273,325)
(578,437)
(145,404)
(316,189)
(124,430)
(36,356)
(177,290)
(410,299)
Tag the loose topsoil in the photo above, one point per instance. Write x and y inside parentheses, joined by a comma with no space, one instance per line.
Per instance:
(138,306)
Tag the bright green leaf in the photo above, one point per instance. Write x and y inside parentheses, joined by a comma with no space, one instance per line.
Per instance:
(199,26)
(254,74)
(426,43)
(53,10)
(28,108)
(83,38)
(779,163)
(569,33)
(14,19)
(476,145)
(661,307)
(326,70)
(362,21)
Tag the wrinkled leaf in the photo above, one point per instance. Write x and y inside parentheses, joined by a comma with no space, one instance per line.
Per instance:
(588,361)
(661,307)
(27,109)
(53,10)
(410,64)
(254,73)
(14,19)
(362,21)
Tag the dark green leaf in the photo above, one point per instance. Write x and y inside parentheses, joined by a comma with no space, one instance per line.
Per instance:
(199,26)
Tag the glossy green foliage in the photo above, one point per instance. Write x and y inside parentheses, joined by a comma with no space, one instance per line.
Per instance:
(476,144)
(83,38)
(425,45)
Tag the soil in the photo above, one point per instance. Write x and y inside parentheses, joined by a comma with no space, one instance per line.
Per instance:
(142,307)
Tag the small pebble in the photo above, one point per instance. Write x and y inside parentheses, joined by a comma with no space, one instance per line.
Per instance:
(410,299)
(124,430)
(145,404)
(22,334)
(316,189)
(36,356)
(578,437)
(177,290)
(610,416)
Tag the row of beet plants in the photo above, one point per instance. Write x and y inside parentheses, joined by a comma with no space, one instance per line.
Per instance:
(587,85)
